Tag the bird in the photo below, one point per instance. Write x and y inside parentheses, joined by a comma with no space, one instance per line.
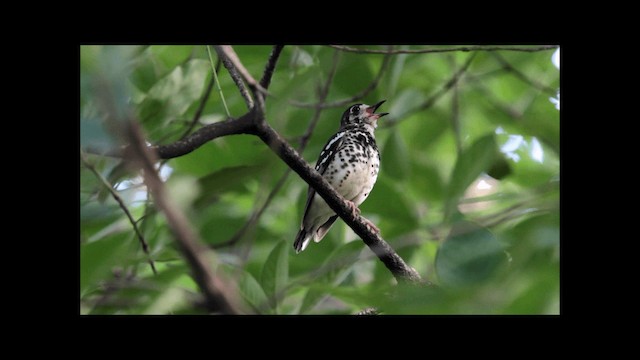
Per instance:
(350,162)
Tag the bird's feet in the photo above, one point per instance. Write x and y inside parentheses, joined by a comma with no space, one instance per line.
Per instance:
(355,210)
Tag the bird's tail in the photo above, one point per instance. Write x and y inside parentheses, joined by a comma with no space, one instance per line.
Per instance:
(302,240)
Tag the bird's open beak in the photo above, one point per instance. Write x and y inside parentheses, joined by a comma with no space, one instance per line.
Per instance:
(372,109)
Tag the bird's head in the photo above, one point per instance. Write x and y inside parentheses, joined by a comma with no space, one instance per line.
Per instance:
(362,114)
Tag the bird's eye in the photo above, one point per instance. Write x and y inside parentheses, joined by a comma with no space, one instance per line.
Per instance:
(355,109)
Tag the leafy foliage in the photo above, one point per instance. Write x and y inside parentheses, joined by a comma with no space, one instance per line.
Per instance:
(468,192)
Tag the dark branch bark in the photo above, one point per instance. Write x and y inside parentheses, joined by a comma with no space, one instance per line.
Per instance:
(271,66)
(231,55)
(440,50)
(224,55)
(242,125)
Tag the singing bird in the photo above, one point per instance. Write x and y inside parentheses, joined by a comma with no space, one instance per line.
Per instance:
(349,162)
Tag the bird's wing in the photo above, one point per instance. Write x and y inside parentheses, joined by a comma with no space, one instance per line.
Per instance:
(326,157)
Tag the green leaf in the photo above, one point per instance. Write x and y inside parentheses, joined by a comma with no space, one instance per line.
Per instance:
(275,273)
(171,96)
(252,292)
(313,296)
(470,164)
(396,157)
(470,255)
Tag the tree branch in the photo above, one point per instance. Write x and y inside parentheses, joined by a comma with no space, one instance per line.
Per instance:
(441,50)
(124,208)
(225,56)
(213,288)
(242,125)
(271,66)
(228,52)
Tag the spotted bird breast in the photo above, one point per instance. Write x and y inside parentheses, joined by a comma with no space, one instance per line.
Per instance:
(355,168)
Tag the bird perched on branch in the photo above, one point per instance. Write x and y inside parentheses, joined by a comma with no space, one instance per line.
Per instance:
(349,162)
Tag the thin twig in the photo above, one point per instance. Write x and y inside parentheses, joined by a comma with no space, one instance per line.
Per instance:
(237,79)
(203,101)
(455,115)
(227,52)
(522,76)
(441,50)
(351,100)
(498,104)
(215,76)
(431,100)
(118,199)
(322,97)
(271,66)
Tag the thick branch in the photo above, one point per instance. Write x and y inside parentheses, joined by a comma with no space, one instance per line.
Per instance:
(440,50)
(242,125)
(400,270)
